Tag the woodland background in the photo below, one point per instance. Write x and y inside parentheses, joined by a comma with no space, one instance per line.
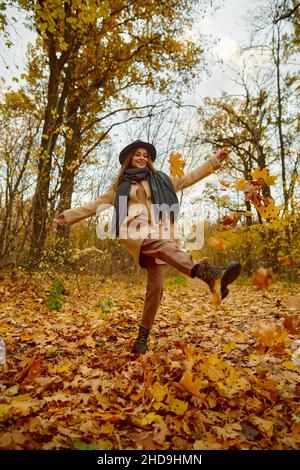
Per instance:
(214,380)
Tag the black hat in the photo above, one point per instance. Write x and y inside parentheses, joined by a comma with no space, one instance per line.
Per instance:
(136,144)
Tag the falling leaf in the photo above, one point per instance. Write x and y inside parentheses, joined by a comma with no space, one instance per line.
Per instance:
(262,278)
(292,324)
(264,174)
(224,183)
(176,164)
(230,221)
(216,243)
(32,368)
(268,210)
(271,337)
(240,184)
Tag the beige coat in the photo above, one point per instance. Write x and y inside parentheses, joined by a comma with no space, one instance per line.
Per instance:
(140,220)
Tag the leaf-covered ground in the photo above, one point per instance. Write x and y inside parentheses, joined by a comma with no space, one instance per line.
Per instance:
(213,379)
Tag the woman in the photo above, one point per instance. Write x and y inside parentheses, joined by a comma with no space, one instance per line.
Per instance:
(145,209)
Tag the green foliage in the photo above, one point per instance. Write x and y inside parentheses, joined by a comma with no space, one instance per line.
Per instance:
(80,445)
(177,281)
(55,298)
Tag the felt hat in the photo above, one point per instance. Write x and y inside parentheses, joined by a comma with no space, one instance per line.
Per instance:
(134,145)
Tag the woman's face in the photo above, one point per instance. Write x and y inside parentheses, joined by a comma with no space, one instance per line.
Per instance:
(140,158)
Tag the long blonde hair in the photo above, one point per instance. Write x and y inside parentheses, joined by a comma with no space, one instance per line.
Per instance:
(126,165)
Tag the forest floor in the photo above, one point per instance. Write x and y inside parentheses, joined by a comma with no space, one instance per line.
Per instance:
(212,379)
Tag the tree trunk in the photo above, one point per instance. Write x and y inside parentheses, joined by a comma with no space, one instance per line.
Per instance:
(48,141)
(53,118)
(280,131)
(70,165)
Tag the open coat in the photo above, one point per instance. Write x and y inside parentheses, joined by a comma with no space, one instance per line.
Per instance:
(140,220)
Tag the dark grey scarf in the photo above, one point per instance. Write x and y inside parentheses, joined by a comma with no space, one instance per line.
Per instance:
(162,192)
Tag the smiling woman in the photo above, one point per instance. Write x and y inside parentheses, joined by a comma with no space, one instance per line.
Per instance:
(146,208)
(140,158)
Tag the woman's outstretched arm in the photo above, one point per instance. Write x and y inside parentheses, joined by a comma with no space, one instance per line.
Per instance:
(208,167)
(72,216)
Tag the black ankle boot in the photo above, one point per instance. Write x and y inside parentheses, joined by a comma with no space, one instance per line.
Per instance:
(217,278)
(140,344)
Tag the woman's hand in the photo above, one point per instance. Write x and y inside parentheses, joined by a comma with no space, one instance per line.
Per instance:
(60,220)
(222,154)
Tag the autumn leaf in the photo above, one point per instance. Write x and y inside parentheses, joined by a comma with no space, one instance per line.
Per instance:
(176,164)
(151,418)
(262,278)
(264,425)
(225,183)
(177,406)
(264,174)
(216,243)
(268,210)
(158,391)
(230,221)
(192,386)
(292,323)
(240,184)
(227,348)
(271,337)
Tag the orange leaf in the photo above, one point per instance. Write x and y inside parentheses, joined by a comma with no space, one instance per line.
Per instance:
(224,183)
(292,324)
(191,386)
(262,278)
(231,220)
(176,164)
(216,243)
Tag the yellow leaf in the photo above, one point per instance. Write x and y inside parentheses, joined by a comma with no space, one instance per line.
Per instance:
(65,367)
(4,409)
(177,406)
(296,432)
(176,164)
(288,365)
(264,425)
(191,386)
(229,347)
(264,174)
(151,418)
(240,184)
(269,211)
(158,391)
(102,400)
